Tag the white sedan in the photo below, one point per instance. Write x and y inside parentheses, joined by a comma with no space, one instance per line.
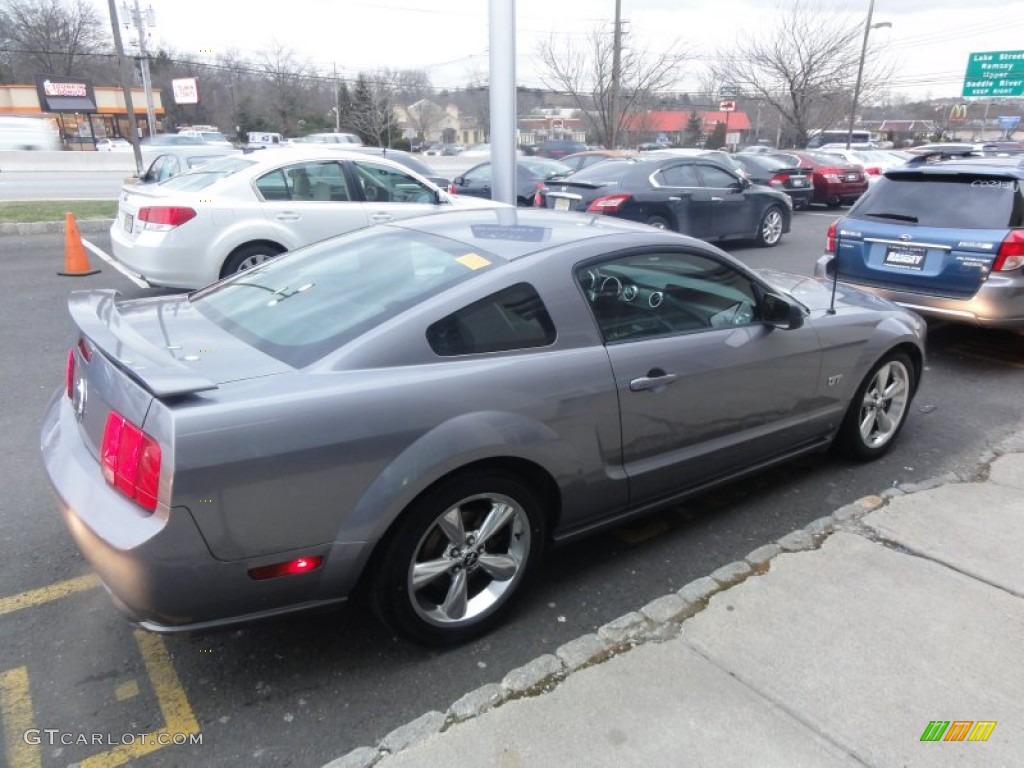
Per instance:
(233,213)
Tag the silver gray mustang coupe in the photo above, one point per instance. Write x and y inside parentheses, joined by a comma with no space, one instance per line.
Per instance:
(415,412)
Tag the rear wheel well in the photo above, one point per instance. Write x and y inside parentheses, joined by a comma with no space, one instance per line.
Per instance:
(229,267)
(536,477)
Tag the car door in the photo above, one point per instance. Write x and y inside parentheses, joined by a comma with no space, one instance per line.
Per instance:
(733,211)
(476,182)
(705,387)
(391,193)
(678,188)
(310,200)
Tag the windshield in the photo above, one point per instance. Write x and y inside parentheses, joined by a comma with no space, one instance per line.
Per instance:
(544,168)
(961,201)
(304,305)
(207,174)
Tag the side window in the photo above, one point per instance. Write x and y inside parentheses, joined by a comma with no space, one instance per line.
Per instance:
(642,296)
(716,177)
(481,175)
(305,182)
(678,176)
(514,318)
(382,184)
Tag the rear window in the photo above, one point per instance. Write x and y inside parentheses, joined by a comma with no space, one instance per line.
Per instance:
(954,200)
(609,171)
(310,302)
(207,174)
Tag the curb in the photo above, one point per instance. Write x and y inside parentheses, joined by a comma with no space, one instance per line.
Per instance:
(86,226)
(659,620)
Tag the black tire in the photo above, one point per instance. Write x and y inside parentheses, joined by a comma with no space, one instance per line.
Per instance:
(769,228)
(658,222)
(832,204)
(248,256)
(460,597)
(879,408)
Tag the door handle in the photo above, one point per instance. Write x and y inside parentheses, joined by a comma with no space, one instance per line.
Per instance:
(717,199)
(653,380)
(674,199)
(287,216)
(380,218)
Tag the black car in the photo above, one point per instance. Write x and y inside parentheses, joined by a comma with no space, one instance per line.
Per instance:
(407,159)
(779,174)
(557,148)
(692,195)
(531,172)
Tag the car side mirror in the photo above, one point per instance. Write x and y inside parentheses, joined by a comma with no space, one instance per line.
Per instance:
(460,180)
(779,313)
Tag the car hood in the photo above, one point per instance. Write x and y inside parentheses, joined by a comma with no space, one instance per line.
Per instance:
(166,344)
(816,293)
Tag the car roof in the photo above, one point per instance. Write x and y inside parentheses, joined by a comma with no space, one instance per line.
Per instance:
(513,233)
(1013,165)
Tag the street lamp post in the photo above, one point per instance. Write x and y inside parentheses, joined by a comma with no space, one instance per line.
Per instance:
(868,26)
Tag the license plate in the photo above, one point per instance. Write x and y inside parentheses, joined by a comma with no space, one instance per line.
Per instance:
(129,221)
(905,256)
(799,182)
(852,177)
(562,203)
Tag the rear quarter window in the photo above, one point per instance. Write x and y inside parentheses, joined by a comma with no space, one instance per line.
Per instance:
(514,318)
(954,200)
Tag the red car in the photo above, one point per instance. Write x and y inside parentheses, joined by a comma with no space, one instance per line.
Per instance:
(836,182)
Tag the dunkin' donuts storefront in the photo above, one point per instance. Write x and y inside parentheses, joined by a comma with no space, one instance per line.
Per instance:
(82,112)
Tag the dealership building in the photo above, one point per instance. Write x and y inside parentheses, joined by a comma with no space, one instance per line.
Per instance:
(81,111)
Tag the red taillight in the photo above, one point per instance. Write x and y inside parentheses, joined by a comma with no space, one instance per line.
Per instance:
(83,347)
(538,196)
(779,179)
(873,171)
(452,189)
(165,217)
(1011,252)
(290,568)
(608,203)
(69,373)
(130,460)
(830,237)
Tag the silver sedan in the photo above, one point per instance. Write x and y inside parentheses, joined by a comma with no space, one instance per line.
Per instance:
(416,411)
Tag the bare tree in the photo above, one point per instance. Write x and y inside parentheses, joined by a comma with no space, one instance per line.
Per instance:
(287,80)
(425,117)
(803,67)
(584,71)
(372,114)
(51,36)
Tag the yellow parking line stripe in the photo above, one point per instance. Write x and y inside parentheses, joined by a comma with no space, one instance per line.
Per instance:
(16,715)
(34,597)
(174,706)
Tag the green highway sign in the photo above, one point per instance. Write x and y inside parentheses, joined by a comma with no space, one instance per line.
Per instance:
(995,73)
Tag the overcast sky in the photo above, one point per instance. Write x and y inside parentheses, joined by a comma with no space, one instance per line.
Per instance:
(929,39)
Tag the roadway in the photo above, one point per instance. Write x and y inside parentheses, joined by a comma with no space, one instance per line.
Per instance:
(304,690)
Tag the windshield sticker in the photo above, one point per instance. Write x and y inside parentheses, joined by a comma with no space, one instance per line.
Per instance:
(473,261)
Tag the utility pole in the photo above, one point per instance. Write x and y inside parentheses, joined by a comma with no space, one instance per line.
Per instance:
(125,86)
(141,23)
(613,131)
(337,102)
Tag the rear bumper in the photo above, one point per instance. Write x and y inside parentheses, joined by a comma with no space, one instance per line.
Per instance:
(162,258)
(999,303)
(157,567)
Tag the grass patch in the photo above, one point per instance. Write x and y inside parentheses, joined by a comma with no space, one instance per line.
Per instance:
(25,211)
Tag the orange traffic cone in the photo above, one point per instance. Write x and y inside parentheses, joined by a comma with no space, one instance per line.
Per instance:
(76,263)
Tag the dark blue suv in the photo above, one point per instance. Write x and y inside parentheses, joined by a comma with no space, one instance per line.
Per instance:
(943,236)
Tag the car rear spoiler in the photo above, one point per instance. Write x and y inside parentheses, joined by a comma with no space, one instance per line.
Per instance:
(96,315)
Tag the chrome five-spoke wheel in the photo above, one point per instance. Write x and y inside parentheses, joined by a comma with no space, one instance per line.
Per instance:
(458,557)
(879,407)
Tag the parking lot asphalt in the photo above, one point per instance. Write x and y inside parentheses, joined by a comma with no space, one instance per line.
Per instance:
(304,690)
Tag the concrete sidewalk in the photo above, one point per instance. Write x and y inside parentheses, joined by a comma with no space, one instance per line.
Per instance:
(836,646)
